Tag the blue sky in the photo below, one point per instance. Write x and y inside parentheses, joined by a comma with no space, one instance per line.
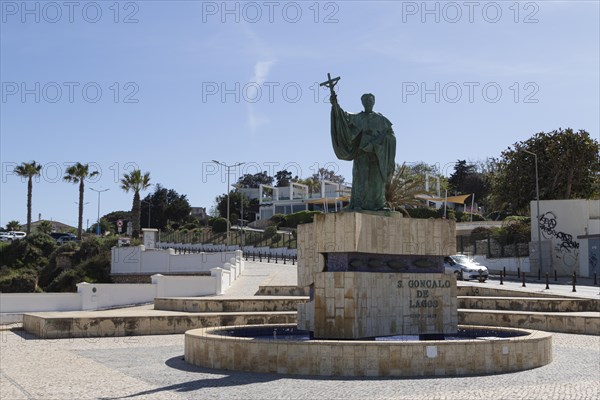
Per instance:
(170,86)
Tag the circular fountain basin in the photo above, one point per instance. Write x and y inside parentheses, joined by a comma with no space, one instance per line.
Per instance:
(282,349)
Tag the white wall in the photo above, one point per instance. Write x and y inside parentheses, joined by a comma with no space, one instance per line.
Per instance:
(512,264)
(31,302)
(138,260)
(183,286)
(96,296)
(562,222)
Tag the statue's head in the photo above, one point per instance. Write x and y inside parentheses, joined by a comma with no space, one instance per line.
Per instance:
(368,101)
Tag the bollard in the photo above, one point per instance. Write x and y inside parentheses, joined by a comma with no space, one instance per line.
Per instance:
(555,276)
(574,281)
(284,259)
(595,279)
(539,274)
(275,258)
(547,282)
(259,256)
(269,257)
(504,271)
(501,279)
(523,285)
(518,272)
(253,256)
(293,260)
(481,275)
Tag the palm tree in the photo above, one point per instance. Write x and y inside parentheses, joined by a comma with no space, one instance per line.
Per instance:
(13,225)
(402,189)
(135,182)
(28,170)
(78,173)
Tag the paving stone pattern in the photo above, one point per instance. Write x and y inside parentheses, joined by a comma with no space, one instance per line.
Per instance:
(151,367)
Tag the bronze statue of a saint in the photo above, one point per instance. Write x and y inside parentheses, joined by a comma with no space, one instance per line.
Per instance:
(367,139)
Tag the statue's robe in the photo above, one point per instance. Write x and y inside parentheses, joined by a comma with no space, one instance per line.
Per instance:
(368,140)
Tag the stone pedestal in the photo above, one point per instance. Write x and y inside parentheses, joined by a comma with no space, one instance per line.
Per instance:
(376,275)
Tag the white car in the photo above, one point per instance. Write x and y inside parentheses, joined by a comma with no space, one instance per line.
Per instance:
(17,234)
(465,268)
(5,237)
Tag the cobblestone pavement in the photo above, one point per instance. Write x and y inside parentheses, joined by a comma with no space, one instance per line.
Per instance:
(151,367)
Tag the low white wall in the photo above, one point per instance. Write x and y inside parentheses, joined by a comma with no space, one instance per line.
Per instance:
(138,260)
(31,302)
(224,269)
(95,296)
(512,264)
(182,286)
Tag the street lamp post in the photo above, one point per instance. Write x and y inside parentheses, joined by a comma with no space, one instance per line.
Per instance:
(98,222)
(228,169)
(537,195)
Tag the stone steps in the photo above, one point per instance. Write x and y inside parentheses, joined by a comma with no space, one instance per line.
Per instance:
(220,304)
(587,323)
(115,323)
(528,304)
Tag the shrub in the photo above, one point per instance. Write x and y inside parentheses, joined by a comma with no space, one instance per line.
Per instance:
(278,219)
(270,232)
(21,281)
(190,226)
(219,225)
(301,217)
(480,233)
(423,213)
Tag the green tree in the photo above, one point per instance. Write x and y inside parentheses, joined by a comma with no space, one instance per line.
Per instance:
(254,180)
(466,179)
(45,227)
(28,170)
(328,175)
(164,205)
(78,173)
(403,188)
(105,226)
(13,225)
(283,178)
(568,167)
(111,221)
(235,206)
(135,182)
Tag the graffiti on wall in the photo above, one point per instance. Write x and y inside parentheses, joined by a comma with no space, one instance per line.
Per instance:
(566,249)
(548,228)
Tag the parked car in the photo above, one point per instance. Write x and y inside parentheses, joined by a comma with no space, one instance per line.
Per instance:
(66,238)
(58,235)
(5,237)
(16,235)
(465,268)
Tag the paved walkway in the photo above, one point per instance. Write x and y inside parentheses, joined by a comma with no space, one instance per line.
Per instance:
(260,273)
(151,367)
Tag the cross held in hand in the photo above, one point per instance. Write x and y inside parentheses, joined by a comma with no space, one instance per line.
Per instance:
(330,83)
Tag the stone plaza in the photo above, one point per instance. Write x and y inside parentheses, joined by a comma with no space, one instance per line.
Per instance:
(152,367)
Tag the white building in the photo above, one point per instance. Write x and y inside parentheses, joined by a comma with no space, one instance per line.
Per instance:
(297,197)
